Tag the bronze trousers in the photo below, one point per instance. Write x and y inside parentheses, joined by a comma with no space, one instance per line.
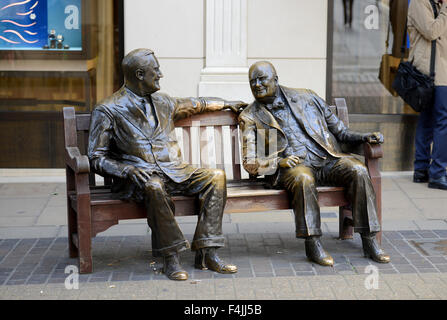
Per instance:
(302,180)
(209,185)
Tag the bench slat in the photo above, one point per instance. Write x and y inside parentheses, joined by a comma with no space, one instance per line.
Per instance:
(235,152)
(187,151)
(239,199)
(209,119)
(218,146)
(204,159)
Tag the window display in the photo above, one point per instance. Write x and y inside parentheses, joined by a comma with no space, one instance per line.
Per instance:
(41,25)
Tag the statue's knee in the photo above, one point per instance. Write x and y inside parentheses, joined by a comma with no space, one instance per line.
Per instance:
(154,185)
(360,170)
(304,179)
(218,175)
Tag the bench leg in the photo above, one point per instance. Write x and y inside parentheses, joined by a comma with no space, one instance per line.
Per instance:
(72,229)
(376,180)
(379,216)
(71,215)
(85,236)
(345,225)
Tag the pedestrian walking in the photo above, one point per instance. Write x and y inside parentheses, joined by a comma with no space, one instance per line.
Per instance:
(431,132)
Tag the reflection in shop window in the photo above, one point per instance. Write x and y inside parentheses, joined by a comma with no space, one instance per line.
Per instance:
(377,30)
(40,25)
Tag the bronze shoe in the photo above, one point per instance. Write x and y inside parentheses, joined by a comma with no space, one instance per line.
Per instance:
(316,253)
(172,268)
(372,250)
(208,259)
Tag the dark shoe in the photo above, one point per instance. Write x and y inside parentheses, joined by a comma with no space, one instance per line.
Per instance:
(440,183)
(316,253)
(420,176)
(173,269)
(372,250)
(207,258)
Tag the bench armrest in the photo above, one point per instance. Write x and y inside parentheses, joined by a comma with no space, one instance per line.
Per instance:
(368,150)
(373,151)
(77,162)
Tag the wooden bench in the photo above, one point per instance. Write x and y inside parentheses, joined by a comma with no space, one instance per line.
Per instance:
(91,208)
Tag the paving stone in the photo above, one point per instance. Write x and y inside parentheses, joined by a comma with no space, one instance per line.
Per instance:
(428,234)
(422,264)
(426,270)
(324,270)
(437,260)
(284,272)
(244,273)
(305,273)
(441,233)
(121,276)
(98,279)
(441,267)
(389,271)
(405,268)
(392,235)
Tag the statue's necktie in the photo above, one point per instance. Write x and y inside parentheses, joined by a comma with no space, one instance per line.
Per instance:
(149,111)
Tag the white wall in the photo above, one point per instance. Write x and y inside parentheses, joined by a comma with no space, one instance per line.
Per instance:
(174,30)
(290,33)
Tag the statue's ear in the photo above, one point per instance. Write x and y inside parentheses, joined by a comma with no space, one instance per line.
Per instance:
(139,74)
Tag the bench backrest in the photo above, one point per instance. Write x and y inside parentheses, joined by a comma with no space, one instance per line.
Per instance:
(206,140)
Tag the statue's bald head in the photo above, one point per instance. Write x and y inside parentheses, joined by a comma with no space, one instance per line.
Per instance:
(134,60)
(141,72)
(263,81)
(264,66)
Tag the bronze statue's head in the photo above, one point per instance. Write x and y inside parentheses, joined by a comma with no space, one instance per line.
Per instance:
(142,72)
(263,81)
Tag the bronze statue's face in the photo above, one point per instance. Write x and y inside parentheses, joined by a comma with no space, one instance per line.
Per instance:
(149,75)
(263,81)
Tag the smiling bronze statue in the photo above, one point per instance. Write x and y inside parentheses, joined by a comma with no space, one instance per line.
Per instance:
(292,137)
(132,139)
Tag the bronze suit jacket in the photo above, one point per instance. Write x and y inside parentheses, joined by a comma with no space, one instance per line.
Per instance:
(120,135)
(261,149)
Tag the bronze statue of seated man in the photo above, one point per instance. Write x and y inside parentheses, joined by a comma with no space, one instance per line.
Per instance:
(132,138)
(292,138)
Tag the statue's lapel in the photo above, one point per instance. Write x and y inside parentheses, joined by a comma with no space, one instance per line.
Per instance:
(161,112)
(129,109)
(308,121)
(297,108)
(266,117)
(279,140)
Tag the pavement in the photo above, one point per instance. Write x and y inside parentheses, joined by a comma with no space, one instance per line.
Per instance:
(34,262)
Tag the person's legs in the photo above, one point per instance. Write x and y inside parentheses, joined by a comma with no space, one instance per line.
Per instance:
(167,238)
(210,187)
(300,183)
(353,175)
(345,11)
(439,154)
(423,141)
(301,186)
(351,2)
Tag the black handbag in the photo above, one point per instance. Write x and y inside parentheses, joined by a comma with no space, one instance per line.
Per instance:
(414,87)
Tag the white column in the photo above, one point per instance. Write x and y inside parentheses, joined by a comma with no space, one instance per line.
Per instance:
(226,72)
